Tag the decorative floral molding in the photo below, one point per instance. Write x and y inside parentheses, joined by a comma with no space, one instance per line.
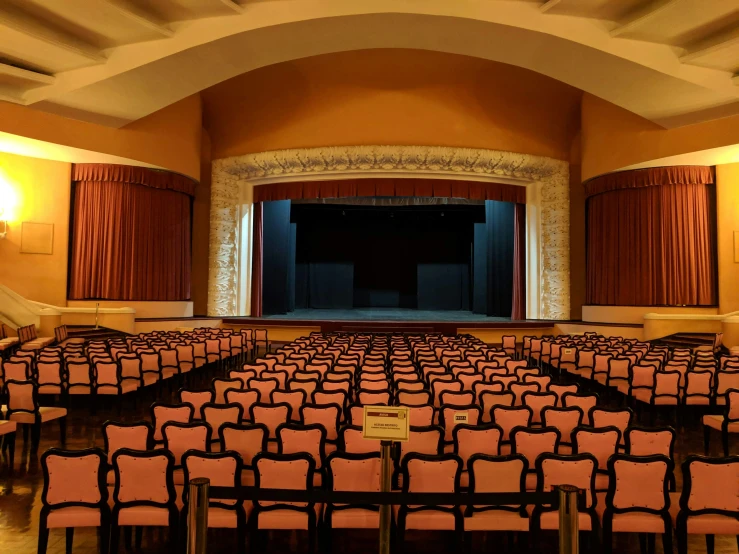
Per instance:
(351,160)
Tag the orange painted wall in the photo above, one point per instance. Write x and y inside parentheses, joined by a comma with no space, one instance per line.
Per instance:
(391,96)
(577,233)
(36,191)
(727,222)
(169,138)
(201,232)
(613,138)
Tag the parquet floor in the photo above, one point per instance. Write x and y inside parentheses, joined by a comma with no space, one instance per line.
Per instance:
(20,503)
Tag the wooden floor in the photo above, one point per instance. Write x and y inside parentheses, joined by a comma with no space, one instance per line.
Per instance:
(20,503)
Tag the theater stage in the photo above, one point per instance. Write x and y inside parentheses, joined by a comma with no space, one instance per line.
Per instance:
(387,314)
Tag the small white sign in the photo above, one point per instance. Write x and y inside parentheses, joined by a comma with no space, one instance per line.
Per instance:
(461,417)
(387,423)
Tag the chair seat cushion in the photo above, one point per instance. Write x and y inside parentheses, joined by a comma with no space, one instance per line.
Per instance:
(713,524)
(149,378)
(638,522)
(496,520)
(51,413)
(716,421)
(550,520)
(286,519)
(145,515)
(50,389)
(169,372)
(7,427)
(128,385)
(355,518)
(74,516)
(428,519)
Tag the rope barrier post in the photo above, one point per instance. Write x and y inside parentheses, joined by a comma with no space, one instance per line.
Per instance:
(197,517)
(568,522)
(385,477)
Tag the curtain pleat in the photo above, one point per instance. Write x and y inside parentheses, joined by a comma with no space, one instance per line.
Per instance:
(130,242)
(156,178)
(518,310)
(652,246)
(650,177)
(257,255)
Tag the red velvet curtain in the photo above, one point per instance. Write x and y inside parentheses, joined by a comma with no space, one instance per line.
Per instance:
(130,242)
(652,246)
(519,263)
(256,268)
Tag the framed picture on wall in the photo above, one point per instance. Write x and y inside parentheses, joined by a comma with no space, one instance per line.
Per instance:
(37,238)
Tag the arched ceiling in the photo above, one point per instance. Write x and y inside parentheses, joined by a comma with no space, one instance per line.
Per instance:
(674,62)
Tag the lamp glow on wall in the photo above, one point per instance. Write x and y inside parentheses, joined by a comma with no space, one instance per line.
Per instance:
(8,201)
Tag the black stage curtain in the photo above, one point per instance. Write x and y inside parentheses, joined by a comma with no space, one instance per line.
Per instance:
(278,269)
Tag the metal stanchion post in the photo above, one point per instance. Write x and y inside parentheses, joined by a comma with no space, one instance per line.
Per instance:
(385,520)
(568,523)
(197,517)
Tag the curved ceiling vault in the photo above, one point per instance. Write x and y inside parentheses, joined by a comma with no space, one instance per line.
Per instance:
(114,61)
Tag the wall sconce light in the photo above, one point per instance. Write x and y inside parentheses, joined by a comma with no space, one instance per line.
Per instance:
(3,224)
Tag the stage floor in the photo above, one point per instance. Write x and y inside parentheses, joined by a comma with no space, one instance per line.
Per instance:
(386,314)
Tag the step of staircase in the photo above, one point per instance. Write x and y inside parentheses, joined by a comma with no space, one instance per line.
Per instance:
(91,333)
(687,340)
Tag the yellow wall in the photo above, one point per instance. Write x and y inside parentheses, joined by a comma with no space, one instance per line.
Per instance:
(613,138)
(168,138)
(201,232)
(37,191)
(390,96)
(727,221)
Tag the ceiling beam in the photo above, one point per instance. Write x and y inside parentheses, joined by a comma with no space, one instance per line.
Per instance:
(548,5)
(32,27)
(235,6)
(640,16)
(717,42)
(140,16)
(26,74)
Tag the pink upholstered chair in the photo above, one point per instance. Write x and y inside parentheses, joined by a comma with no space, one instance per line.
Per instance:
(470,380)
(646,441)
(506,381)
(8,430)
(163,413)
(537,401)
(326,415)
(74,495)
(509,344)
(181,437)
(566,420)
(602,443)
(421,416)
(383,398)
(16,370)
(698,388)
(245,398)
(600,367)
(413,397)
(430,473)
(352,441)
(508,418)
(496,474)
(583,401)
(530,443)
(450,416)
(272,416)
(489,400)
(280,375)
(23,408)
(309,386)
(196,398)
(561,390)
(726,423)
(294,438)
(79,376)
(475,439)
(170,363)
(247,440)
(638,500)
(109,379)
(264,386)
(218,414)
(220,386)
(144,495)
(285,471)
(294,398)
(618,374)
(49,377)
(553,470)
(352,472)
(439,387)
(457,398)
(421,440)
(134,436)
(620,418)
(224,470)
(709,503)
(242,375)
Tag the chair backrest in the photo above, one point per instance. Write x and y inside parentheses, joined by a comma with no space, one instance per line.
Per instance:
(532,442)
(508,418)
(248,439)
(325,415)
(284,471)
(264,386)
(353,472)
(245,398)
(431,473)
(352,441)
(144,478)
(218,414)
(413,397)
(293,438)
(561,390)
(575,469)
(135,436)
(329,398)
(271,415)
(537,401)
(196,398)
(451,416)
(710,485)
(644,441)
(564,419)
(638,483)
(421,416)
(74,478)
(22,397)
(583,401)
(295,398)
(181,437)
(620,418)
(422,440)
(222,468)
(601,443)
(442,386)
(163,413)
(476,439)
(220,386)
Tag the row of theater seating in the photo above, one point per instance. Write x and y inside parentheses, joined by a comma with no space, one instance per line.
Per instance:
(215,418)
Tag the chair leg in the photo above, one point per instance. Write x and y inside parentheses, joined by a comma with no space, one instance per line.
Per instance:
(35,437)
(104,534)
(667,542)
(10,443)
(43,536)
(725,442)
(139,537)
(706,438)
(26,430)
(127,537)
(651,542)
(115,533)
(70,539)
(709,544)
(642,543)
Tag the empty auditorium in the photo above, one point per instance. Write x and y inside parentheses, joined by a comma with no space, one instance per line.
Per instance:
(369,276)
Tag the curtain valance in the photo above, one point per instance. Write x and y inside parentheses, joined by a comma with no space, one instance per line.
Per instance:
(113,173)
(653,176)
